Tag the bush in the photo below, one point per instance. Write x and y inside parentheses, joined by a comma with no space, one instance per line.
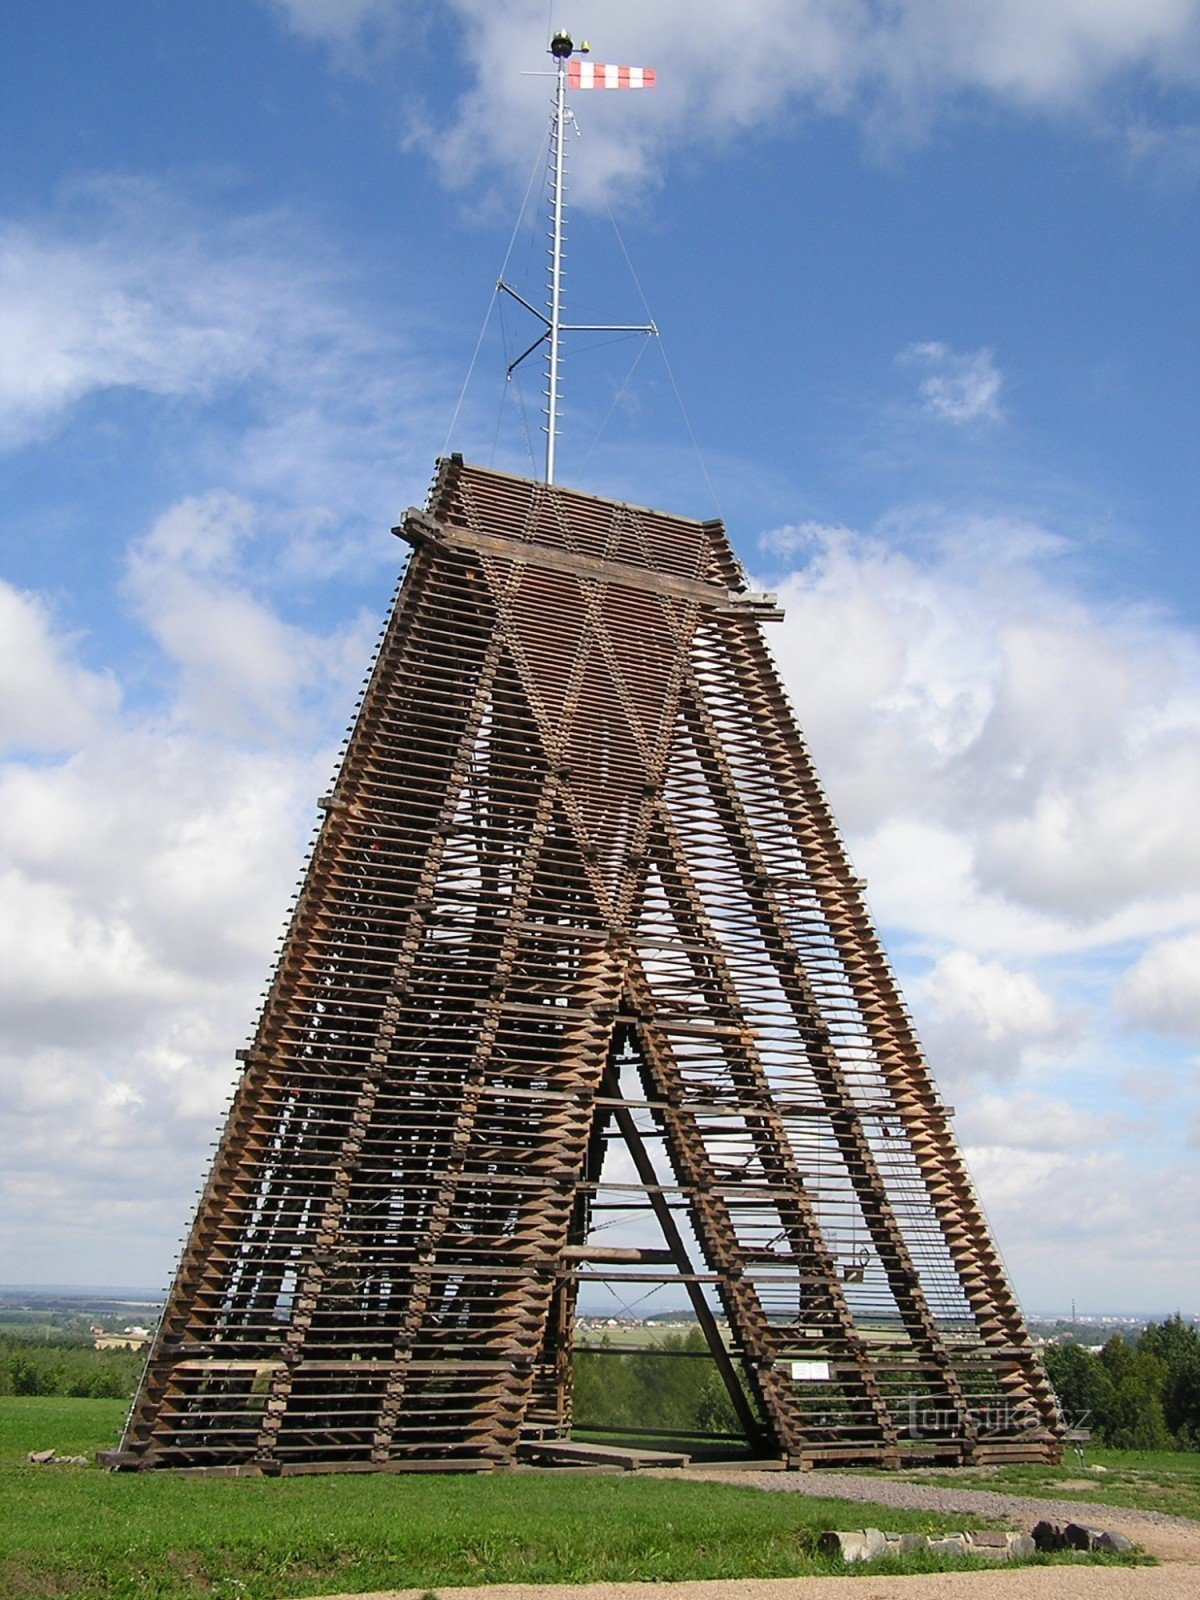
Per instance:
(66,1366)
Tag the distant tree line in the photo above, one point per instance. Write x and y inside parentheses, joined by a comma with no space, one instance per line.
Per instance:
(51,1365)
(1141,1394)
(1133,1395)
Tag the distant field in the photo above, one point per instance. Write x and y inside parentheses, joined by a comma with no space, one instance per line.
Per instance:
(642,1337)
(93,1535)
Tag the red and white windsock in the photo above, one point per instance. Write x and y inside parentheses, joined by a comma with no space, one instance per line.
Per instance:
(595,75)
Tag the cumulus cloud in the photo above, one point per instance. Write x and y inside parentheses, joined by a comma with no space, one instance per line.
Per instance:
(953,682)
(1172,153)
(126,289)
(1162,989)
(48,700)
(144,873)
(950,682)
(1109,838)
(152,818)
(241,667)
(361,35)
(1091,1225)
(1014,762)
(339,21)
(1017,766)
(1027,1120)
(727,70)
(981,1019)
(152,815)
(957,387)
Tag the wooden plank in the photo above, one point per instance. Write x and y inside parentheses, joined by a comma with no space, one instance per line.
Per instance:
(577,1453)
(418,528)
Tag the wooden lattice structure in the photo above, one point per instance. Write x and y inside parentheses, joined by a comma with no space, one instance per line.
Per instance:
(577,883)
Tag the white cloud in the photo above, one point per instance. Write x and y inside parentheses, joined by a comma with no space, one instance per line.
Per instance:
(47,699)
(143,882)
(1112,836)
(145,870)
(67,973)
(725,70)
(1092,1226)
(102,1145)
(1162,989)
(1016,763)
(954,684)
(982,1019)
(337,20)
(1017,766)
(359,33)
(1172,153)
(958,386)
(242,668)
(152,818)
(126,289)
(1027,1120)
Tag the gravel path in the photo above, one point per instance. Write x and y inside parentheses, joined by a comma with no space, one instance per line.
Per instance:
(902,1493)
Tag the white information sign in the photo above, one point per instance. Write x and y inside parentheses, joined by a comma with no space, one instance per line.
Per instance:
(811,1371)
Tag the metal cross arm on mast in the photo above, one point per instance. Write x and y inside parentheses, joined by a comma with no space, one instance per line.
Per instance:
(574,75)
(609,327)
(570,327)
(521,300)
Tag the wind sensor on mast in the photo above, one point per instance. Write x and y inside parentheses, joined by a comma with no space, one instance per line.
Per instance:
(569,74)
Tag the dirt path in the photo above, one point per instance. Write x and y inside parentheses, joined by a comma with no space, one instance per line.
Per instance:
(1177,1582)
(1174,1539)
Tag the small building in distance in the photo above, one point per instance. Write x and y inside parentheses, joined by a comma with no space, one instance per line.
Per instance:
(127,1339)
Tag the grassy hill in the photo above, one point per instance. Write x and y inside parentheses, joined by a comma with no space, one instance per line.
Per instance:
(87,1534)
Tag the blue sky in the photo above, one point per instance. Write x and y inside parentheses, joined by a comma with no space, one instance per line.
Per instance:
(926,279)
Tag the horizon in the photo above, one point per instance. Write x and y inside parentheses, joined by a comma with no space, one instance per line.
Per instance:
(127,1294)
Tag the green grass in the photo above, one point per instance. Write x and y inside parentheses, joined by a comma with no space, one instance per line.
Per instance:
(84,1533)
(1138,1480)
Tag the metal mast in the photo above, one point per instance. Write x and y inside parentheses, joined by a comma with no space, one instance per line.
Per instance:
(562,48)
(558,161)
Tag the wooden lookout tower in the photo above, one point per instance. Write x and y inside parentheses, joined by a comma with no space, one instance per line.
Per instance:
(576,885)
